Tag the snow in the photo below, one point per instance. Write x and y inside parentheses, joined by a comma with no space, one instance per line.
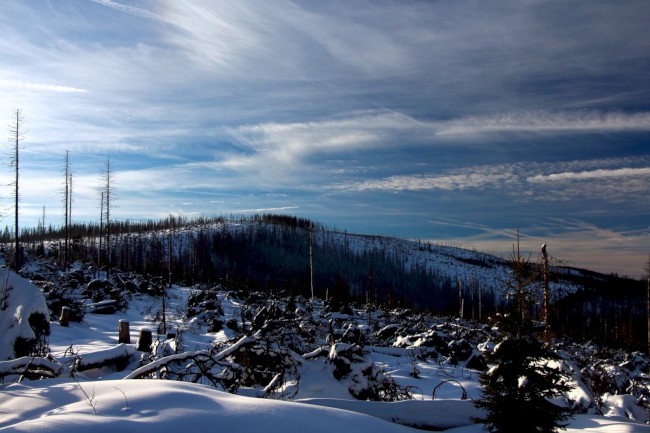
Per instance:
(19,299)
(111,399)
(90,360)
(623,406)
(165,406)
(447,413)
(581,423)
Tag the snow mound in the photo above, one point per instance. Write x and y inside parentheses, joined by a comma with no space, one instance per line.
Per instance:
(165,406)
(24,316)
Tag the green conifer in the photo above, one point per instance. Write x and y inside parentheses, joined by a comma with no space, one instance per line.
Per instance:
(517,391)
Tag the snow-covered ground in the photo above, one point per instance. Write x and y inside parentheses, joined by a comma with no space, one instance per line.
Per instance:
(101,399)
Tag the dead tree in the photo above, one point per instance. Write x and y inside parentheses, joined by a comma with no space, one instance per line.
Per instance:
(311,261)
(67,200)
(648,300)
(16,135)
(546,293)
(108,194)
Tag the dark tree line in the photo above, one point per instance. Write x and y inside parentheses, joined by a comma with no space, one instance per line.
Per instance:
(265,252)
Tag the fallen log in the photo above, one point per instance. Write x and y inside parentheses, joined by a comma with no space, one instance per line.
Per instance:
(108,306)
(118,356)
(30,367)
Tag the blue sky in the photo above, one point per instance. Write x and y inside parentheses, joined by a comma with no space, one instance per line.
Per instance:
(451,121)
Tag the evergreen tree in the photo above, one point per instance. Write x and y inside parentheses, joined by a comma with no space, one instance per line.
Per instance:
(517,391)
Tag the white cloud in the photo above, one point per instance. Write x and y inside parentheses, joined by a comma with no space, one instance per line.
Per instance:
(283,40)
(269,209)
(546,122)
(473,177)
(590,175)
(423,182)
(524,181)
(289,144)
(19,85)
(131,10)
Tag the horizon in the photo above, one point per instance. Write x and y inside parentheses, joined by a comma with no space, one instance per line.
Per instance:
(451,122)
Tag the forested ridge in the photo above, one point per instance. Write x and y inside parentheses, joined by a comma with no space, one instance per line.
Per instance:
(289,255)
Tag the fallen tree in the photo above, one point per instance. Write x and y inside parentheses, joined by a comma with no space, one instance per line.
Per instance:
(31,367)
(118,356)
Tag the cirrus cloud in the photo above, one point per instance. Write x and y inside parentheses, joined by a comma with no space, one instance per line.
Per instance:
(592,174)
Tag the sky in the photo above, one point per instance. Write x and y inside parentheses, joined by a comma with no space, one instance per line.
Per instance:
(457,122)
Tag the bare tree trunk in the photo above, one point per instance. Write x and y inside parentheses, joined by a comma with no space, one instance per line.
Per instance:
(546,294)
(480,301)
(17,238)
(169,277)
(648,301)
(101,231)
(471,292)
(16,138)
(311,263)
(66,205)
(43,232)
(460,298)
(69,212)
(107,189)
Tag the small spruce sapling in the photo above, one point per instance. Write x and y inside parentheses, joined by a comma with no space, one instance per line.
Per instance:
(517,391)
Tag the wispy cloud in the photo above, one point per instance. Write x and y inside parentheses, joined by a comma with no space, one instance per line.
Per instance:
(354,129)
(129,9)
(490,177)
(546,122)
(543,181)
(40,87)
(286,39)
(592,174)
(375,129)
(269,209)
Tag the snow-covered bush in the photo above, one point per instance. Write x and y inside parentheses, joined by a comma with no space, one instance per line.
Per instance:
(365,380)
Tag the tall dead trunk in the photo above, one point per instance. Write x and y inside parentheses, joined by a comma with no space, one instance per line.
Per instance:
(16,136)
(546,294)
(648,301)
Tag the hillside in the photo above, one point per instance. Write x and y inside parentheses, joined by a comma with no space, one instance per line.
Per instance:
(271,253)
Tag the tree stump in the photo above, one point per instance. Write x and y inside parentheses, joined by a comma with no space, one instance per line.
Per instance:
(124,334)
(64,319)
(144,340)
